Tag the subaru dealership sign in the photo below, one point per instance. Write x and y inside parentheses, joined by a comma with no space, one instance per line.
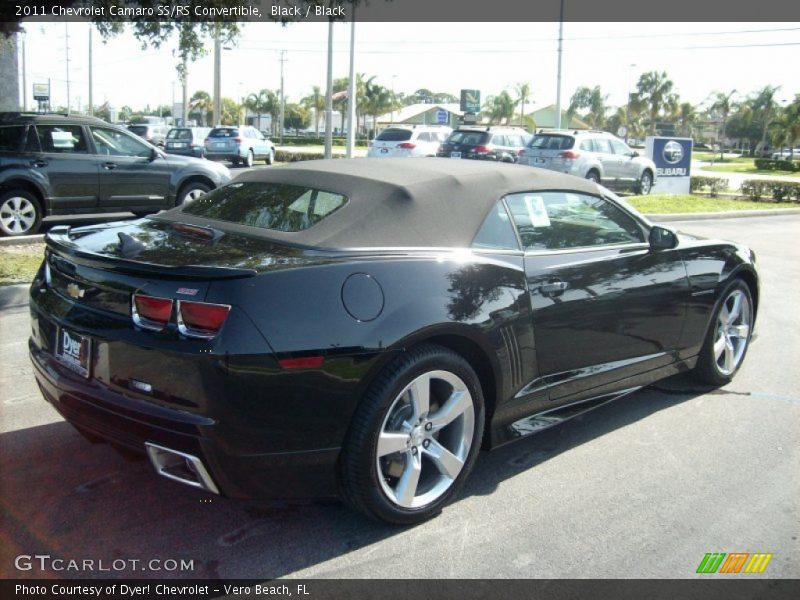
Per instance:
(673,158)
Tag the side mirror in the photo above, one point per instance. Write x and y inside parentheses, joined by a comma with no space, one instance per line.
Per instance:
(153,154)
(634,154)
(662,238)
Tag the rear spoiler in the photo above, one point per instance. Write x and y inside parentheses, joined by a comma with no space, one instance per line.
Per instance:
(59,240)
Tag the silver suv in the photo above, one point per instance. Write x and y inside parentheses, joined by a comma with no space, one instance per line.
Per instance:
(595,155)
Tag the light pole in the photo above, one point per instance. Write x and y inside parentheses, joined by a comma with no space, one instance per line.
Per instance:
(329,96)
(632,66)
(217,80)
(91,83)
(560,52)
(351,91)
(393,97)
(24,72)
(283,98)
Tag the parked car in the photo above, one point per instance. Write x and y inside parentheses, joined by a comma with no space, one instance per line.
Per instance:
(594,155)
(186,141)
(154,134)
(494,143)
(61,165)
(239,145)
(408,140)
(364,327)
(787,154)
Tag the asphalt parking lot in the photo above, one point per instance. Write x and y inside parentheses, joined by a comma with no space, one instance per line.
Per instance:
(643,487)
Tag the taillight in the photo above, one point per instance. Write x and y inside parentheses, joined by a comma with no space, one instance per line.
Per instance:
(407,146)
(569,154)
(482,149)
(200,319)
(150,312)
(206,141)
(237,140)
(521,152)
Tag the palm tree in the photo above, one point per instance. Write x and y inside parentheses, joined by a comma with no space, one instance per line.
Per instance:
(686,117)
(229,114)
(315,102)
(654,90)
(523,97)
(378,100)
(201,101)
(500,107)
(764,106)
(722,105)
(260,102)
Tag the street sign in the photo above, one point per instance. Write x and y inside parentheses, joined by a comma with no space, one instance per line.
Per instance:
(41,91)
(442,117)
(471,101)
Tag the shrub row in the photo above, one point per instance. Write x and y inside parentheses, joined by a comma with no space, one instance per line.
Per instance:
(295,156)
(778,191)
(714,185)
(313,141)
(769,164)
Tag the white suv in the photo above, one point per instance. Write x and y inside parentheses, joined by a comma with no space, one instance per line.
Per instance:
(595,155)
(408,140)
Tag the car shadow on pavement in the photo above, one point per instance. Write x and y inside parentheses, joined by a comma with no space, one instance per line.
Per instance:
(65,497)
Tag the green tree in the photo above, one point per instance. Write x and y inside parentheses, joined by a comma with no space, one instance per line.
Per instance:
(315,102)
(201,103)
(262,102)
(722,106)
(229,112)
(523,97)
(764,110)
(499,108)
(296,116)
(686,119)
(378,100)
(654,90)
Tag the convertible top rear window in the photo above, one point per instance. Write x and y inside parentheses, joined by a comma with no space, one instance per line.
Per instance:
(267,205)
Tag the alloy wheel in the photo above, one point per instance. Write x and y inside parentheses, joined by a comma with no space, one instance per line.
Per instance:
(17,215)
(425,439)
(732,332)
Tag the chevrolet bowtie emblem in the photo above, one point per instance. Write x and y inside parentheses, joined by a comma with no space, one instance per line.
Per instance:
(74,291)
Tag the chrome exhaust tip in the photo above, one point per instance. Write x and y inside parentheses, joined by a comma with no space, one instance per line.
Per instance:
(181,467)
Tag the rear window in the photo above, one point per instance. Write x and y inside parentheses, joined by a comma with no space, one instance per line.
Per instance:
(552,142)
(223,132)
(472,138)
(179,134)
(275,206)
(138,129)
(11,138)
(394,135)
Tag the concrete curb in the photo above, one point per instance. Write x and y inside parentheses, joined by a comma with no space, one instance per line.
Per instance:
(21,240)
(14,296)
(737,214)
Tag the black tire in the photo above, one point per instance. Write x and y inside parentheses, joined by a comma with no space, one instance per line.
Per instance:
(708,369)
(192,190)
(270,158)
(20,213)
(235,161)
(365,477)
(248,160)
(593,176)
(645,184)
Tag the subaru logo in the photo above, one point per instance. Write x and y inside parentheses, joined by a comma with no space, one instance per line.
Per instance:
(74,291)
(673,152)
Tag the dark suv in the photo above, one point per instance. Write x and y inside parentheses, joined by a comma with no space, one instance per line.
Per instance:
(485,143)
(61,165)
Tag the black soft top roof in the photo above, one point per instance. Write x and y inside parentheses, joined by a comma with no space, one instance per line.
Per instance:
(399,202)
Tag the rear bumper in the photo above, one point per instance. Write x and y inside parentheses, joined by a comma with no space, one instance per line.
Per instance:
(130,422)
(222,155)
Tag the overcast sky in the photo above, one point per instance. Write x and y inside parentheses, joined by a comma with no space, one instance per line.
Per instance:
(699,57)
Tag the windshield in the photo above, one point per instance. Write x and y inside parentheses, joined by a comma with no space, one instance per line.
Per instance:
(179,134)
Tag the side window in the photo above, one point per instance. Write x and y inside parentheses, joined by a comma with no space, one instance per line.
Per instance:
(514,140)
(67,139)
(620,148)
(32,140)
(496,232)
(424,137)
(562,220)
(499,140)
(11,138)
(111,142)
(587,146)
(603,146)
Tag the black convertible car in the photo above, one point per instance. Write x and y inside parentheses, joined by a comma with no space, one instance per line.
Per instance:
(362,328)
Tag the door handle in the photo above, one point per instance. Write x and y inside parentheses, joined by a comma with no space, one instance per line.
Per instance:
(109,166)
(38,163)
(553,288)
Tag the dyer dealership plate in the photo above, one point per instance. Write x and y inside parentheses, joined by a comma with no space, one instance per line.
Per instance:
(73,351)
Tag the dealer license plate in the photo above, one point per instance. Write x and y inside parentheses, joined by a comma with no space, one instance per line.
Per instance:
(73,351)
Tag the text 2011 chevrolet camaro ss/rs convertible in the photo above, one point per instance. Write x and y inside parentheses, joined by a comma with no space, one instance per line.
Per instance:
(361,329)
